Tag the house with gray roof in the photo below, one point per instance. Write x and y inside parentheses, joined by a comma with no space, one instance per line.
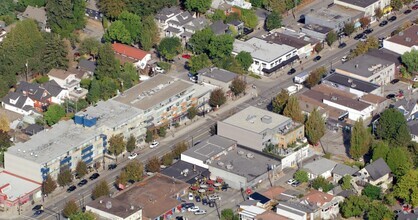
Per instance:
(19,103)
(320,167)
(37,14)
(219,27)
(340,170)
(413,129)
(352,85)
(408,107)
(217,77)
(375,173)
(87,66)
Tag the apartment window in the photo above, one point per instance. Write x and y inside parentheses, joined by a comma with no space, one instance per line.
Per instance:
(263,64)
(256,62)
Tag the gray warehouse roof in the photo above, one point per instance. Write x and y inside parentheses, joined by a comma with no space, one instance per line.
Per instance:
(218,74)
(257,120)
(377,169)
(349,81)
(153,91)
(361,3)
(54,142)
(209,148)
(320,166)
(364,65)
(342,169)
(261,49)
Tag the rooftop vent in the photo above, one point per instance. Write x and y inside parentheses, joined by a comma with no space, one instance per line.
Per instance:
(356,66)
(266,119)
(353,85)
(229,167)
(101,201)
(250,155)
(408,39)
(250,117)
(401,33)
(334,98)
(108,205)
(132,207)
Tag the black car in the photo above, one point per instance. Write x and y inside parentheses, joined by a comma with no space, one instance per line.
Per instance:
(38,212)
(205,201)
(111,166)
(342,45)
(179,218)
(71,188)
(407,11)
(391,96)
(38,207)
(393,18)
(225,187)
(94,176)
(383,23)
(359,36)
(197,198)
(317,58)
(291,71)
(82,183)
(187,205)
(394,81)
(368,31)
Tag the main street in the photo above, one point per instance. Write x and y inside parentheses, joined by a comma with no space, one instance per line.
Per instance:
(267,89)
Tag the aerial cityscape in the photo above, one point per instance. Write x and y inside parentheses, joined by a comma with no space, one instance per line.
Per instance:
(208,109)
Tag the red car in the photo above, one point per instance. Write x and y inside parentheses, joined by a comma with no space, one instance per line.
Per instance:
(186,56)
(415,7)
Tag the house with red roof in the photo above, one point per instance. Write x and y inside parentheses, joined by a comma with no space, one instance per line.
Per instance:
(125,53)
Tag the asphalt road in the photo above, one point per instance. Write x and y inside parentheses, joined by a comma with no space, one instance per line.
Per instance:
(266,91)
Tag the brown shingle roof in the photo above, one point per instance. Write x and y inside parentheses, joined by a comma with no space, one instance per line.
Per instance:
(317,197)
(58,73)
(273,192)
(270,215)
(408,37)
(372,99)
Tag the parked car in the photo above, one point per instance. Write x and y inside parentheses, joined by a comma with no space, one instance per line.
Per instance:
(394,81)
(179,218)
(383,23)
(111,166)
(37,207)
(364,38)
(407,11)
(296,184)
(193,209)
(359,36)
(94,176)
(132,156)
(225,187)
(187,205)
(200,212)
(191,196)
(317,58)
(154,144)
(197,198)
(204,201)
(214,197)
(71,188)
(393,18)
(38,212)
(344,59)
(291,71)
(415,7)
(342,45)
(82,183)
(186,56)
(368,31)
(291,181)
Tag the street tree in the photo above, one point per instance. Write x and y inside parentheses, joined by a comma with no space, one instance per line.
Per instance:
(292,110)
(89,46)
(4,144)
(245,59)
(149,35)
(346,182)
(4,123)
(314,127)
(360,140)
(399,160)
(331,38)
(122,178)
(396,4)
(318,47)
(107,64)
(373,192)
(301,176)
(315,76)
(198,6)
(169,47)
(54,113)
(199,62)
(117,145)
(220,46)
(378,13)
(390,122)
(81,169)
(380,149)
(279,102)
(48,185)
(55,53)
(64,176)
(167,159)
(349,28)
(191,112)
(132,23)
(274,20)
(153,165)
(162,131)
(200,40)
(149,136)
(70,208)
(131,144)
(134,170)
(406,187)
(101,189)
(238,86)
(364,21)
(217,98)
(112,8)
(377,210)
(94,93)
(354,206)
(118,32)
(179,148)
(410,59)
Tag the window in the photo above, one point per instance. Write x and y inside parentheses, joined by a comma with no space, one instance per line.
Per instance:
(256,62)
(263,64)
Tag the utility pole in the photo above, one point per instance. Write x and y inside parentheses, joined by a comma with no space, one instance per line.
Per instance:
(27,70)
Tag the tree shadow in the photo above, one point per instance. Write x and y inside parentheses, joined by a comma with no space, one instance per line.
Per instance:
(346,141)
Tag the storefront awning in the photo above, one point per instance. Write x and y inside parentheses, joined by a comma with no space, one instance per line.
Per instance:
(282,64)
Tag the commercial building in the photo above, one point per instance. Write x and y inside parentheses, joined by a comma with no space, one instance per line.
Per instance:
(217,77)
(267,56)
(369,69)
(317,31)
(16,190)
(304,47)
(404,41)
(367,6)
(334,17)
(164,99)
(68,142)
(256,128)
(186,172)
(111,208)
(352,85)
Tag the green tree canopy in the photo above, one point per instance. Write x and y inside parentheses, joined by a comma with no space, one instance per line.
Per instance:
(153,165)
(192,112)
(132,23)
(390,122)
(55,53)
(198,6)
(149,35)
(364,21)
(117,145)
(380,150)
(292,110)
(349,28)
(65,16)
(315,77)
(101,189)
(118,32)
(112,8)
(218,15)
(238,86)
(406,187)
(249,18)
(396,4)
(279,102)
(107,64)
(169,47)
(321,183)
(314,127)
(64,176)
(54,114)
(354,206)
(7,7)
(131,143)
(379,211)
(179,148)
(360,140)
(331,38)
(378,13)
(410,59)
(346,182)
(274,20)
(373,192)
(228,214)
(128,76)
(49,185)
(83,216)
(399,161)
(245,59)
(134,170)
(70,209)
(89,46)
(200,40)
(217,98)
(81,169)
(220,46)
(199,62)
(301,176)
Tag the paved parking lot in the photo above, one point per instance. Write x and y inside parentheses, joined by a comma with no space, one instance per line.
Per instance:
(336,143)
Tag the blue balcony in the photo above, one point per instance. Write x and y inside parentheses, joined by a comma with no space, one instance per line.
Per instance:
(44,170)
(87,149)
(85,156)
(88,160)
(65,160)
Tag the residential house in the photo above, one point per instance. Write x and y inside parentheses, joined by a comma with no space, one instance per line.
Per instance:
(249,209)
(368,68)
(58,93)
(413,129)
(304,48)
(316,31)
(19,103)
(256,128)
(367,6)
(92,11)
(352,85)
(176,25)
(376,173)
(334,17)
(404,41)
(273,193)
(112,208)
(194,25)
(267,56)
(262,201)
(69,81)
(219,27)
(217,77)
(221,5)
(166,14)
(87,68)
(407,215)
(16,190)
(40,94)
(408,107)
(270,215)
(237,25)
(296,211)
(320,167)
(326,205)
(239,3)
(33,129)
(340,170)
(37,14)
(137,57)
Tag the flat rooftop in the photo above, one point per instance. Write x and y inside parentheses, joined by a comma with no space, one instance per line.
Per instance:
(14,186)
(54,142)
(364,65)
(156,195)
(257,120)
(246,163)
(317,28)
(408,37)
(113,206)
(111,113)
(149,93)
(335,13)
(185,171)
(361,3)
(218,74)
(280,38)
(210,147)
(261,49)
(350,82)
